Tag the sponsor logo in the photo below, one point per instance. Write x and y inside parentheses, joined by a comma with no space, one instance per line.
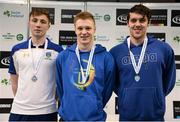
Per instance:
(8,36)
(99,17)
(5,82)
(150,57)
(159,17)
(7,13)
(19,37)
(121,39)
(5,105)
(176,39)
(177,61)
(48,55)
(175,18)
(67,37)
(158,36)
(4,59)
(107,17)
(176,109)
(10,13)
(67,15)
(121,16)
(101,38)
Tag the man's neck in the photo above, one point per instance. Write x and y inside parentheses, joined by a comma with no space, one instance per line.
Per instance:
(137,41)
(38,41)
(85,48)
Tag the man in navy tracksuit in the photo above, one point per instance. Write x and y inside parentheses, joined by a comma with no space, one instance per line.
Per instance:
(146,71)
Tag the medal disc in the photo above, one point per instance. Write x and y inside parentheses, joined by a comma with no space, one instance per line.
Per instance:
(137,78)
(34,78)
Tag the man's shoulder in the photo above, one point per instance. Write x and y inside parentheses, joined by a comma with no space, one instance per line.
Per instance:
(161,44)
(117,47)
(54,46)
(22,45)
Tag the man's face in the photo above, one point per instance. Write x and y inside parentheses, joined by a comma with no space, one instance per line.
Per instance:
(85,30)
(138,26)
(38,25)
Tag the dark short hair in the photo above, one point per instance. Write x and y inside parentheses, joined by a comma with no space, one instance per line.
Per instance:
(40,11)
(84,15)
(140,9)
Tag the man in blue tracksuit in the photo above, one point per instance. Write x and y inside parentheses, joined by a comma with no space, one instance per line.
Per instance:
(146,71)
(85,75)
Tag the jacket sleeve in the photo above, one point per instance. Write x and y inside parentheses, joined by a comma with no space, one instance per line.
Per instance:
(59,85)
(109,79)
(170,73)
(13,66)
(117,80)
(117,72)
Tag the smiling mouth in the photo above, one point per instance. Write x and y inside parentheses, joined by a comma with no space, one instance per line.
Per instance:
(137,29)
(84,37)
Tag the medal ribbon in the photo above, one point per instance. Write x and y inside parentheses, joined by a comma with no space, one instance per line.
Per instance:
(36,66)
(85,76)
(137,66)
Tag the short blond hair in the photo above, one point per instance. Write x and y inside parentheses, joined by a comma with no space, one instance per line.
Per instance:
(84,15)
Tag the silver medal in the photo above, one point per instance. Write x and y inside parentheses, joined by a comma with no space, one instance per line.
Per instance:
(137,78)
(137,64)
(36,63)
(34,78)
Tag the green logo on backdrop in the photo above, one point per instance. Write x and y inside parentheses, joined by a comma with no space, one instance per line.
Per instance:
(7,13)
(5,82)
(14,13)
(19,37)
(177,39)
(107,17)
